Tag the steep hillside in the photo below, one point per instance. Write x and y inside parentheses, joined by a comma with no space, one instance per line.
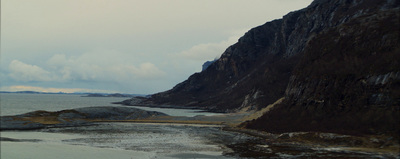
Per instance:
(256,71)
(347,81)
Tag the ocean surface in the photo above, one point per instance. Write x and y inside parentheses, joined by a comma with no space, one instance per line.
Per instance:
(108,140)
(139,140)
(119,141)
(13,104)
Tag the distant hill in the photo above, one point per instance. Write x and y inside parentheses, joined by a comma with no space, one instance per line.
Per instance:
(81,93)
(109,95)
(32,92)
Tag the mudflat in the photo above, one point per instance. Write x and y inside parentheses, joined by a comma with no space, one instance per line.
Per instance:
(157,132)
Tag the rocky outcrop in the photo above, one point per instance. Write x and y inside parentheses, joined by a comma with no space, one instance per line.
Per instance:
(73,117)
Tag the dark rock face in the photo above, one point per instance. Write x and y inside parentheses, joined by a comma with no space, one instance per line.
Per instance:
(335,62)
(260,64)
(348,80)
(206,64)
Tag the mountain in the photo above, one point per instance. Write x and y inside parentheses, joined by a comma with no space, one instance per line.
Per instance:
(206,64)
(347,81)
(108,95)
(335,63)
(32,92)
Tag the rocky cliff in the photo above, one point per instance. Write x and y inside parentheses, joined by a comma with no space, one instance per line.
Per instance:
(329,60)
(347,81)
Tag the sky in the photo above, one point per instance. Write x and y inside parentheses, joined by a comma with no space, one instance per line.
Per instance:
(121,46)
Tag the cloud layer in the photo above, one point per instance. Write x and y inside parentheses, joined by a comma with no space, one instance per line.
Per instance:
(101,65)
(24,72)
(204,52)
(130,46)
(52,90)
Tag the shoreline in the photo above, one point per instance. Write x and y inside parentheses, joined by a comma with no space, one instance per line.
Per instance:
(302,140)
(374,144)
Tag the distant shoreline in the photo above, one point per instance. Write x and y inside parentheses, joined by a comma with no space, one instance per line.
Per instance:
(373,144)
(89,94)
(109,95)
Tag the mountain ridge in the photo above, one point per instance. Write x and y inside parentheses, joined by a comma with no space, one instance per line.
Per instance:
(273,60)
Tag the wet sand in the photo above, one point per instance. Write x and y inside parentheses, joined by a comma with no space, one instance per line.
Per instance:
(168,140)
(185,137)
(122,140)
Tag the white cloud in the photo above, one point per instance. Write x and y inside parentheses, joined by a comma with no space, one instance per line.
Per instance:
(208,51)
(24,72)
(103,69)
(98,65)
(51,90)
(146,71)
(203,52)
(57,61)
(144,46)
(103,65)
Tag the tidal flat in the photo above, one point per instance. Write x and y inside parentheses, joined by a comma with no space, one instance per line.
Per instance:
(122,140)
(158,140)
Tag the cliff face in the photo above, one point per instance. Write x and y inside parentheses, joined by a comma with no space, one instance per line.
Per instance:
(256,70)
(335,62)
(347,81)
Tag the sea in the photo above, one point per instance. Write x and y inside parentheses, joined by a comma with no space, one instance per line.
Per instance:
(126,140)
(18,103)
(106,140)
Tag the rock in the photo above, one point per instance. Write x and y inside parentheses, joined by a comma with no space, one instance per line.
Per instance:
(10,123)
(206,64)
(347,81)
(73,117)
(117,113)
(19,140)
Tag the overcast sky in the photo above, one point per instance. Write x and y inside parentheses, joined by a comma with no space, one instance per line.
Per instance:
(126,46)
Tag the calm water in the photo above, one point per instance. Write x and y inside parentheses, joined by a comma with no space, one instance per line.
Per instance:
(137,140)
(13,104)
(120,141)
(108,140)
